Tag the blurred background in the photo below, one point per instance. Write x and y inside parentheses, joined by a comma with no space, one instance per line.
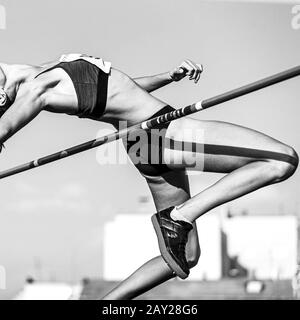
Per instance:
(58,223)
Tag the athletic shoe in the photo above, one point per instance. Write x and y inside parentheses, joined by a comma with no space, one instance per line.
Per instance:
(172,239)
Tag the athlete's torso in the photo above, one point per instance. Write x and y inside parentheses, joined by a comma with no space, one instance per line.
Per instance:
(125,100)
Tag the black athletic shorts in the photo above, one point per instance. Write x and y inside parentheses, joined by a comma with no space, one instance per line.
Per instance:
(151,162)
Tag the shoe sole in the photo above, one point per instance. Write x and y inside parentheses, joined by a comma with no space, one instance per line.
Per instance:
(164,251)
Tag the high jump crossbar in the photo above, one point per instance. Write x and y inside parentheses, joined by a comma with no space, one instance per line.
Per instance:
(152,123)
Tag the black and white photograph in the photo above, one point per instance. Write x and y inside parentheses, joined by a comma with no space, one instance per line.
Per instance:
(149,151)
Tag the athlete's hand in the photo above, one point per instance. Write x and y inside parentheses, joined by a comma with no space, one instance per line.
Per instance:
(187,68)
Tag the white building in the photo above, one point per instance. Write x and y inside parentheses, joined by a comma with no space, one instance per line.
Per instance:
(265,245)
(49,291)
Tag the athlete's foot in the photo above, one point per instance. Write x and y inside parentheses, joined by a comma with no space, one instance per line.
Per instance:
(172,239)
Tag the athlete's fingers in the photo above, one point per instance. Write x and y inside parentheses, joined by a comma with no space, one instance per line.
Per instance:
(198,77)
(192,68)
(197,74)
(200,66)
(187,67)
(199,69)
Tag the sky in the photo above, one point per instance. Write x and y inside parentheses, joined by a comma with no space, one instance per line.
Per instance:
(51,217)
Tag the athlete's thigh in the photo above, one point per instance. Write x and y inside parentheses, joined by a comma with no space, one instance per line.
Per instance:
(216,146)
(172,189)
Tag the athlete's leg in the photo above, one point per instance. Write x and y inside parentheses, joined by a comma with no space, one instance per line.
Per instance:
(167,190)
(251,160)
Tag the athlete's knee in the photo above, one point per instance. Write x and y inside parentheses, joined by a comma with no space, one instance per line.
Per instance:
(292,165)
(282,170)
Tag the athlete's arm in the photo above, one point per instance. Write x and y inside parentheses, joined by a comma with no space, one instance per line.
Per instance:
(186,68)
(28,104)
(151,83)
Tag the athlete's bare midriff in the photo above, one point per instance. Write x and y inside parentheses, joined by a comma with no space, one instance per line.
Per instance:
(127,101)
